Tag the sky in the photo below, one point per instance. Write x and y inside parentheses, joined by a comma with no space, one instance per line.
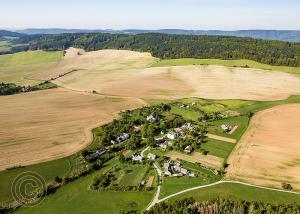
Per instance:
(151,14)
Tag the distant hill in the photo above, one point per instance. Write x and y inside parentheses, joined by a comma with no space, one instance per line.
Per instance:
(5,33)
(284,35)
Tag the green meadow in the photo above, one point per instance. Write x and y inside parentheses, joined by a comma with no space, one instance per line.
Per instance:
(217,148)
(175,184)
(71,198)
(240,192)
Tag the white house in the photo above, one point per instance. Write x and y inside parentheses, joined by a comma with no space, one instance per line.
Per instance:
(226,128)
(151,156)
(151,118)
(188,149)
(172,135)
(122,137)
(137,158)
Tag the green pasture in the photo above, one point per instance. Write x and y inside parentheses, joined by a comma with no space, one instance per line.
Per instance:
(77,198)
(217,148)
(241,121)
(175,184)
(240,192)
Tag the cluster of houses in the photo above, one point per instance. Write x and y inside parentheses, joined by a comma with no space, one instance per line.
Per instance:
(140,158)
(166,142)
(179,131)
(176,170)
(162,143)
(183,105)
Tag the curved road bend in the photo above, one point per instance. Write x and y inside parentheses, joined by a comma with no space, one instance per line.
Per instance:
(216,183)
(159,173)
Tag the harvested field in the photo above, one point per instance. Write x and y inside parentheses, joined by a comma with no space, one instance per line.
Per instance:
(196,157)
(268,153)
(128,74)
(220,138)
(44,125)
(219,82)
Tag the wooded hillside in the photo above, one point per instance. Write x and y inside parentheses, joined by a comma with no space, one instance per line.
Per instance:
(166,46)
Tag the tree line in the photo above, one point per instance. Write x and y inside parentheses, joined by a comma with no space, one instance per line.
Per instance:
(11,88)
(167,46)
(222,206)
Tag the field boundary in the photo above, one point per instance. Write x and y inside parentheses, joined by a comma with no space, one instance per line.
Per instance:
(220,138)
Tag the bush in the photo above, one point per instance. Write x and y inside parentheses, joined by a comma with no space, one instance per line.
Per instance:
(286,186)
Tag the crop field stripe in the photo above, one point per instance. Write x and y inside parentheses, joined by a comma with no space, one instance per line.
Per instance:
(229,63)
(220,138)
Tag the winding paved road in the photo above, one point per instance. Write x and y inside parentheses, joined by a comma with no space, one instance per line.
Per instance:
(214,184)
(159,174)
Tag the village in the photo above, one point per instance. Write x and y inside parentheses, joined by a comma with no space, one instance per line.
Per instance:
(157,139)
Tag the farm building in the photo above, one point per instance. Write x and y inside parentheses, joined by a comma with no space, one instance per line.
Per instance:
(188,149)
(167,168)
(137,157)
(175,170)
(98,153)
(226,127)
(183,105)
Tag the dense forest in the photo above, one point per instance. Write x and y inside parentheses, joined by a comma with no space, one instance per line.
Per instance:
(222,206)
(167,46)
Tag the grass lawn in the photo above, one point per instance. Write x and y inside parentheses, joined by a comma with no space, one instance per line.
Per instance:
(229,63)
(241,121)
(259,106)
(186,113)
(217,148)
(47,170)
(175,184)
(133,175)
(240,192)
(76,198)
